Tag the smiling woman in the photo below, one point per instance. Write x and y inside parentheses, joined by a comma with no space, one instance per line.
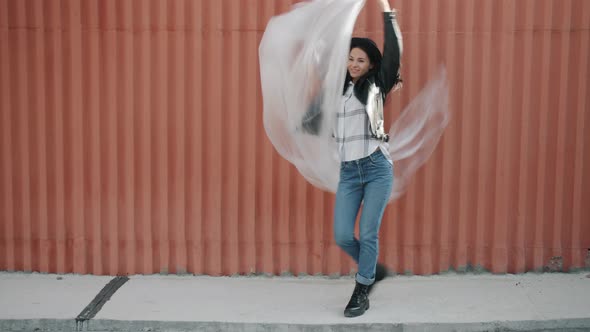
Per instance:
(366,170)
(321,128)
(358,63)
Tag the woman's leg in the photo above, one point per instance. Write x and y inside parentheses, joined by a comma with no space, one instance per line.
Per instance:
(348,200)
(378,186)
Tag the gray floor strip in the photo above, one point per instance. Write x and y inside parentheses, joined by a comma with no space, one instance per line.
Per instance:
(101,298)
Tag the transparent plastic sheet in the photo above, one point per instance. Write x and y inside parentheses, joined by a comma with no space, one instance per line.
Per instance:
(416,132)
(303,56)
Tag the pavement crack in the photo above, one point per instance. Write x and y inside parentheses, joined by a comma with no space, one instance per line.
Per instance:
(99,300)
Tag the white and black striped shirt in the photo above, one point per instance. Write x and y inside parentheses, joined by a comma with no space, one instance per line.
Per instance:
(353,130)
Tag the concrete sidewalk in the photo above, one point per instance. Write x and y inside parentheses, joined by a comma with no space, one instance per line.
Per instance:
(450,302)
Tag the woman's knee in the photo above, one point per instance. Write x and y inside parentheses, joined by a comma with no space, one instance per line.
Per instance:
(369,237)
(343,238)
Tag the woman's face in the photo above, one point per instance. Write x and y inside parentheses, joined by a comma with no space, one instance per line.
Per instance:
(358,63)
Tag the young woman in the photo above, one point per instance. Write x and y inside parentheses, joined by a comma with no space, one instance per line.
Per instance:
(366,170)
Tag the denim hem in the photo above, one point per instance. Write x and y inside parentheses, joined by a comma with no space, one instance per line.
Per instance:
(365,281)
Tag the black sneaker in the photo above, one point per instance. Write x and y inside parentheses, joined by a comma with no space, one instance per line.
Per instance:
(380,274)
(359,301)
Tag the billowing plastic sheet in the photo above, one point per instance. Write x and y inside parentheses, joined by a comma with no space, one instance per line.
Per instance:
(303,56)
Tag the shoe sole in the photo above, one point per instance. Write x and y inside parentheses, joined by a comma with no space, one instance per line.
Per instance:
(356,313)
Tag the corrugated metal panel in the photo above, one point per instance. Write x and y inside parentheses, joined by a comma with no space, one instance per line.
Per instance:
(132,141)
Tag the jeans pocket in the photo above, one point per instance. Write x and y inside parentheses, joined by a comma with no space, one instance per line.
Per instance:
(377,159)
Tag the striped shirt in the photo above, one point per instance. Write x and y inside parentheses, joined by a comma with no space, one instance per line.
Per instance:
(353,130)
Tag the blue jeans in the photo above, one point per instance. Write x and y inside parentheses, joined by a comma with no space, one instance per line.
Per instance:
(368,180)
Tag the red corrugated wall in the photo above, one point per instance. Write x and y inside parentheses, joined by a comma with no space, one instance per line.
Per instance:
(131,141)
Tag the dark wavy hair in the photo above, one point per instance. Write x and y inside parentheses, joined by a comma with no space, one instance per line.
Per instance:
(360,88)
